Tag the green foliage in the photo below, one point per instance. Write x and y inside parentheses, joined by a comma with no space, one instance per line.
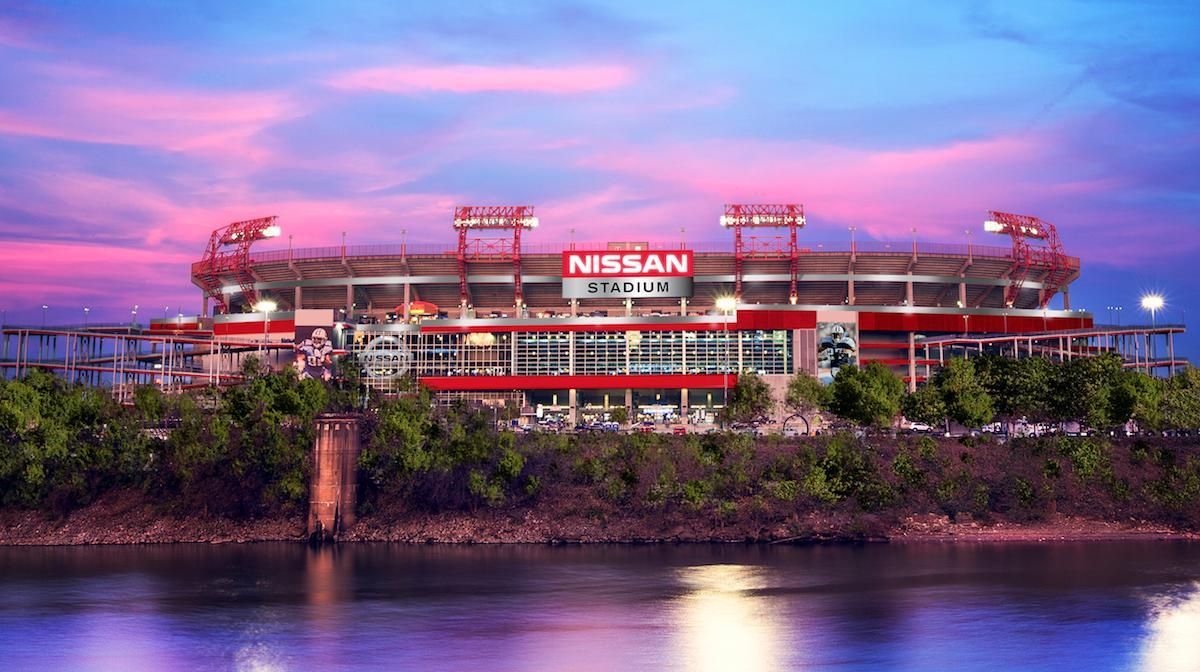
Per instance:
(844,471)
(749,400)
(905,468)
(1138,396)
(696,492)
(1083,391)
(867,396)
(925,405)
(1019,388)
(1181,400)
(488,488)
(965,399)
(806,395)
(1089,458)
(510,465)
(619,415)
(784,491)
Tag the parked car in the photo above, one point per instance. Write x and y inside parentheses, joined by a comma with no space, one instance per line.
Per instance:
(679,430)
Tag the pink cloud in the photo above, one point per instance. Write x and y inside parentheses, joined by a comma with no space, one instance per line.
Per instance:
(480,78)
(218,125)
(937,189)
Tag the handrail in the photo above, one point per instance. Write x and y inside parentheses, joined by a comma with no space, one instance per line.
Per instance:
(700,247)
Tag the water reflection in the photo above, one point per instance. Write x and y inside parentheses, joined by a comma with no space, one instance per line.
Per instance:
(1173,639)
(431,608)
(722,624)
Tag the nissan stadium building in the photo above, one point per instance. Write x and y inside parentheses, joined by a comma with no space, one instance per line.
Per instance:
(662,328)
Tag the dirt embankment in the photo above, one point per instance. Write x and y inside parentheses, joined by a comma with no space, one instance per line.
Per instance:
(129,518)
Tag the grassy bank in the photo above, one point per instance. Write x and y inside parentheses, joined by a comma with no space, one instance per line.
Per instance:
(236,466)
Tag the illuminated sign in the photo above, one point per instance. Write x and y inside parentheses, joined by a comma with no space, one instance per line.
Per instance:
(627,274)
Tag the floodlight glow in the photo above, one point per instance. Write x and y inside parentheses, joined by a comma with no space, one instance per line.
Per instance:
(992,226)
(1152,302)
(265,306)
(272,232)
(726,304)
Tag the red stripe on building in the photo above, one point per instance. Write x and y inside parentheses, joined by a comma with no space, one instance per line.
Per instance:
(1011,324)
(251,328)
(500,383)
(775,319)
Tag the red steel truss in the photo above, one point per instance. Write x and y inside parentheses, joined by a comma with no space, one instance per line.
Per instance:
(1027,258)
(228,253)
(776,216)
(512,218)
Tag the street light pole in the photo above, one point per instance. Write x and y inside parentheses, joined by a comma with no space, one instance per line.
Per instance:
(86,310)
(44,307)
(726,304)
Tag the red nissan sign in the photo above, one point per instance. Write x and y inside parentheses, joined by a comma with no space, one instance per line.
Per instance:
(624,264)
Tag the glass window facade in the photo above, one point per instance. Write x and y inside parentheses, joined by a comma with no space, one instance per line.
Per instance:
(608,353)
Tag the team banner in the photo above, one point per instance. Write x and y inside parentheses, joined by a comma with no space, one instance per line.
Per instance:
(627,274)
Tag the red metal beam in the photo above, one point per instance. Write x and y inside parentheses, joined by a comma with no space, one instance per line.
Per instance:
(739,216)
(514,218)
(1028,258)
(228,254)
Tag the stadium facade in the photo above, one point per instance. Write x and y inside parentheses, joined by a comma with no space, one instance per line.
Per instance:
(662,328)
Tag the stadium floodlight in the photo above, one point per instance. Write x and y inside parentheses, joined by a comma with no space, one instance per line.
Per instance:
(1153,303)
(726,304)
(265,306)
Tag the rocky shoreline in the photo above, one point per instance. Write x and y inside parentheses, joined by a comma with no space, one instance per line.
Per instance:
(129,519)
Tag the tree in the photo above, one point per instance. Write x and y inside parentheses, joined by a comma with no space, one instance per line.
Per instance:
(966,400)
(618,414)
(805,396)
(925,405)
(1020,388)
(749,401)
(1138,397)
(868,396)
(1082,391)
(1181,400)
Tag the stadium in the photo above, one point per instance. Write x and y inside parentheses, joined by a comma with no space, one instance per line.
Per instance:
(569,331)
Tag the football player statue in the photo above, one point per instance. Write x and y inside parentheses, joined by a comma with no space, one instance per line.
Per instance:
(314,356)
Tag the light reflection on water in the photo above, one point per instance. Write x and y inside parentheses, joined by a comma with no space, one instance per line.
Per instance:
(1113,605)
(1173,640)
(721,624)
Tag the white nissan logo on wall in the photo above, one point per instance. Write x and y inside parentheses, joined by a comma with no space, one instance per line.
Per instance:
(627,274)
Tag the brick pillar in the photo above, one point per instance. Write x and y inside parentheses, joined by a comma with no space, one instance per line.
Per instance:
(333,486)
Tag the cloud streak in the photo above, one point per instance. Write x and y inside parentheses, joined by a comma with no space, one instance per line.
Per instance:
(411,79)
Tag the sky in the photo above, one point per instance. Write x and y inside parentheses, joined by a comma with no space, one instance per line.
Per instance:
(129,131)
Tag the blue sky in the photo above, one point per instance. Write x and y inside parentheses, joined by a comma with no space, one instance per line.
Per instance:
(128,131)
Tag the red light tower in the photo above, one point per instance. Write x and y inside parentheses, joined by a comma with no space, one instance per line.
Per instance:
(514,218)
(775,216)
(1028,258)
(228,253)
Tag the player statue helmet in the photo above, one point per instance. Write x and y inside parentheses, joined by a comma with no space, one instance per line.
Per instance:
(319,335)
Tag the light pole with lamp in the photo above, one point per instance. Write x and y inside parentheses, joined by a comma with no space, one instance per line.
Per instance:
(133,316)
(44,307)
(86,310)
(1152,303)
(266,307)
(727,305)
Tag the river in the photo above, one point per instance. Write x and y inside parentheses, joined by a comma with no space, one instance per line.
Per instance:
(920,606)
